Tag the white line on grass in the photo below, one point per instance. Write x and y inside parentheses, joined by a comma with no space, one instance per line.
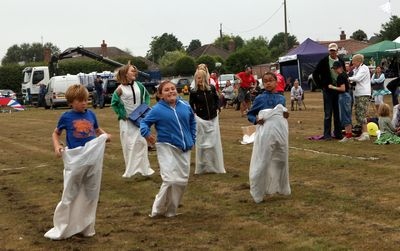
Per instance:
(334,154)
(22,167)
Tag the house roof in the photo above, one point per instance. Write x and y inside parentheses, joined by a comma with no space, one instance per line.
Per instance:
(347,46)
(211,50)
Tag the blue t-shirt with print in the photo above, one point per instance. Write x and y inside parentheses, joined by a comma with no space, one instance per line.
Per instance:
(79,126)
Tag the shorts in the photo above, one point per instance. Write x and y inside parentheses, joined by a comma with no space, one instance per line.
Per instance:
(244,94)
(361,104)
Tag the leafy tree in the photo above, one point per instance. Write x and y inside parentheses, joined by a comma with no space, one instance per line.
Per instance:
(185,66)
(167,62)
(258,47)
(277,44)
(237,60)
(161,45)
(226,40)
(194,44)
(136,61)
(391,29)
(208,60)
(11,77)
(170,58)
(359,35)
(28,53)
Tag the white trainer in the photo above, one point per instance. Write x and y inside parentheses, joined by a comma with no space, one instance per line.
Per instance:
(345,139)
(363,137)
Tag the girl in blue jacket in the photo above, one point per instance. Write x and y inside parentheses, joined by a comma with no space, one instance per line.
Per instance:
(175,124)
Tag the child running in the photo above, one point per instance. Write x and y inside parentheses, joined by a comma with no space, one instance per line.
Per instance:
(269,165)
(175,124)
(83,163)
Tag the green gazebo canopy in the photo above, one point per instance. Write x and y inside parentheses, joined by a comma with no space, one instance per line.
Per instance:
(379,50)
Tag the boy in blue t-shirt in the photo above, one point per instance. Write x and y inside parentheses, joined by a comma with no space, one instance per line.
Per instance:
(79,123)
(83,162)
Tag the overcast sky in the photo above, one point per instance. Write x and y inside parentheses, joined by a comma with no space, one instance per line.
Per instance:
(131,24)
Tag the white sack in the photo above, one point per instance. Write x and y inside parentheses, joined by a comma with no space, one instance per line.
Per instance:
(174,169)
(134,149)
(269,166)
(76,212)
(209,156)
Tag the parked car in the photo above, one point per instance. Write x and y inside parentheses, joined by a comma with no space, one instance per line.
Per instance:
(7,93)
(224,77)
(181,83)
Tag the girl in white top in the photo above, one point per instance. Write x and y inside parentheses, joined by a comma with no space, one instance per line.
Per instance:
(126,98)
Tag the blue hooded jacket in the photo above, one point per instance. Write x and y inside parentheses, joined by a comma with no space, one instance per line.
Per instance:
(176,126)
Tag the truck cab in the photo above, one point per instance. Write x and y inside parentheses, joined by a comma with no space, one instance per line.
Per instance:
(33,78)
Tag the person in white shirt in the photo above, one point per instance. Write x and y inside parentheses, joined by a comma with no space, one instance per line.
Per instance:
(296,95)
(362,93)
(228,94)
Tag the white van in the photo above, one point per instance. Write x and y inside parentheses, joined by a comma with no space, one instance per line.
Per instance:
(225,77)
(55,94)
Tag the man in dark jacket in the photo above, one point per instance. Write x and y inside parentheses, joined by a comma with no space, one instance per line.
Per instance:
(324,76)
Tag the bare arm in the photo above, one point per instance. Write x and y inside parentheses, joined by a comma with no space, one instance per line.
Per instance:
(340,88)
(100,131)
(58,147)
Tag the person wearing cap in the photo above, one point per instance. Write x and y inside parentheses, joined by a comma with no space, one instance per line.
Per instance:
(343,89)
(362,93)
(324,76)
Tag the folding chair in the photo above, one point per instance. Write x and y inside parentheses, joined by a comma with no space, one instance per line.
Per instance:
(302,102)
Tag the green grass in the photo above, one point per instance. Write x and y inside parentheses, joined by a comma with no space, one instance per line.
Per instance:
(338,202)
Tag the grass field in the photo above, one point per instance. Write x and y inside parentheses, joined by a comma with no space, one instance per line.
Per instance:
(344,196)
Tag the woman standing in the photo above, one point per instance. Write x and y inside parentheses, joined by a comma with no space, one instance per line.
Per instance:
(126,98)
(205,103)
(378,87)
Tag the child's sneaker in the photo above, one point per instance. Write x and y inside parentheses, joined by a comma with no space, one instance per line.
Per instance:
(363,137)
(345,139)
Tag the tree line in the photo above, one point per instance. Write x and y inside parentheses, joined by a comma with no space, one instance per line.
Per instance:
(173,57)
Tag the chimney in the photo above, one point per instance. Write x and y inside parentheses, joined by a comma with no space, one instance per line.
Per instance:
(342,35)
(104,49)
(47,55)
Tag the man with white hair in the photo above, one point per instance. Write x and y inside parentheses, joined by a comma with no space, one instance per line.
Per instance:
(362,93)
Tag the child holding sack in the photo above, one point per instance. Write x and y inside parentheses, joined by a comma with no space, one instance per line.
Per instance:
(269,165)
(83,163)
(175,124)
(127,97)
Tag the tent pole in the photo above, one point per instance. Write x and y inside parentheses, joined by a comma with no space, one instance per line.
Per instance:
(299,72)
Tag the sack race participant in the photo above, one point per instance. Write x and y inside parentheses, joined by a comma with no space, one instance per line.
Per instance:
(204,101)
(128,96)
(83,163)
(269,165)
(175,124)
